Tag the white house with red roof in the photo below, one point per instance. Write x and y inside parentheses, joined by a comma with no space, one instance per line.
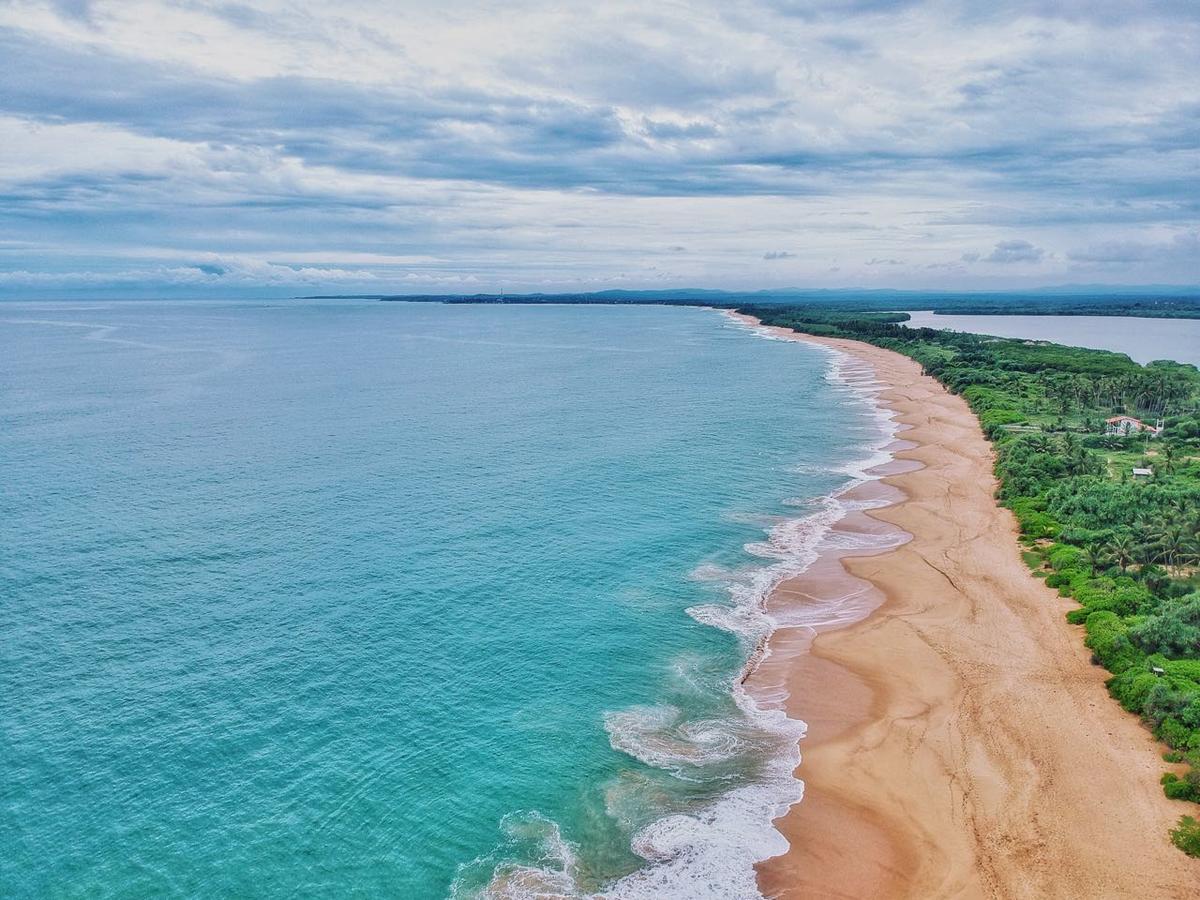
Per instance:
(1125,425)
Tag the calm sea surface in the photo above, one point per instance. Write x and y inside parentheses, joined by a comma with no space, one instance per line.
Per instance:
(380,599)
(1143,340)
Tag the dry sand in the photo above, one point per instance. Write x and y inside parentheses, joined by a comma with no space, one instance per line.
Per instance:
(960,742)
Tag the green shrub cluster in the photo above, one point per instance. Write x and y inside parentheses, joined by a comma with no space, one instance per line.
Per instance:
(1186,835)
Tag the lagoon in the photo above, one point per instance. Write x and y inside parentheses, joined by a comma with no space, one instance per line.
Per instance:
(1143,340)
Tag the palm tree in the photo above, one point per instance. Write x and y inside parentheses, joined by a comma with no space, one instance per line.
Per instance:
(1122,549)
(1094,557)
(1040,442)
(1168,453)
(1173,544)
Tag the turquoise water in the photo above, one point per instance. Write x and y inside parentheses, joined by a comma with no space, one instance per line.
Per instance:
(361,599)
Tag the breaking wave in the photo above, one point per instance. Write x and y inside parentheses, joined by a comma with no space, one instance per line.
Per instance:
(748,759)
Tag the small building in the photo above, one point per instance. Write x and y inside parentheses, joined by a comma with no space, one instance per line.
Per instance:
(1143,473)
(1126,425)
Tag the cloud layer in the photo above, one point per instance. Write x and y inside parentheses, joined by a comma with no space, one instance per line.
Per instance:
(204,146)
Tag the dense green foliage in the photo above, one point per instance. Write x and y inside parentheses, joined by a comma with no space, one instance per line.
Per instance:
(1125,547)
(1186,835)
(1183,307)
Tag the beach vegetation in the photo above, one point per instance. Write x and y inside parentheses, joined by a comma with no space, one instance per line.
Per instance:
(1123,544)
(1186,835)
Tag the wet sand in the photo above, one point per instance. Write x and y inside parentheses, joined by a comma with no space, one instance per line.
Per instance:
(960,742)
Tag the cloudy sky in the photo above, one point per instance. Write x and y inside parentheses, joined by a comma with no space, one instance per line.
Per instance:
(199,147)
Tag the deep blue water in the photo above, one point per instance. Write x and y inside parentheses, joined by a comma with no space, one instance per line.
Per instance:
(356,598)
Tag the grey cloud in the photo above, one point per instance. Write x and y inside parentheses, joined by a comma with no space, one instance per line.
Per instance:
(617,68)
(73,9)
(562,141)
(1182,247)
(847,44)
(639,125)
(814,9)
(1015,252)
(671,130)
(321,121)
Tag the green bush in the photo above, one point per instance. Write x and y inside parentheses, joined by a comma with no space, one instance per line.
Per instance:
(1177,735)
(994,420)
(1132,687)
(1063,557)
(1097,598)
(1183,668)
(1173,632)
(1131,599)
(1078,616)
(1033,519)
(1186,836)
(1177,788)
(1108,640)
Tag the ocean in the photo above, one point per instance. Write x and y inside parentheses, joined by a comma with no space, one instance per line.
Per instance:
(350,598)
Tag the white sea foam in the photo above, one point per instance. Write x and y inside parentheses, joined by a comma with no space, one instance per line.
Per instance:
(549,873)
(660,737)
(711,852)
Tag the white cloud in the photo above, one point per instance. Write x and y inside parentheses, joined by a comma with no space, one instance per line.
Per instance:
(577,145)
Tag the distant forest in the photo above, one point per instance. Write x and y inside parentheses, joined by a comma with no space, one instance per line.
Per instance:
(1165,306)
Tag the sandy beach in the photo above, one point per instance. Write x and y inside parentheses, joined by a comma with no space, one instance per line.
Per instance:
(960,742)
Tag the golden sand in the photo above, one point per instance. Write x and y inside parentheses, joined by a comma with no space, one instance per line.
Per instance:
(960,742)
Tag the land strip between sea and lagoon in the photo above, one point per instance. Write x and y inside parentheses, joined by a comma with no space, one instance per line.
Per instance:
(960,741)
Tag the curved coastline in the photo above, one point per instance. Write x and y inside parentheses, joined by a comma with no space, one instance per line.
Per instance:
(714,851)
(959,741)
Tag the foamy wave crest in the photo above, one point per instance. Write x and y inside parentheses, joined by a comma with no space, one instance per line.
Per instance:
(711,853)
(694,675)
(864,542)
(710,572)
(657,736)
(795,540)
(793,545)
(549,870)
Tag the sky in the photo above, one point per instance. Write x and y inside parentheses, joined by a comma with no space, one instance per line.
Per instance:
(208,148)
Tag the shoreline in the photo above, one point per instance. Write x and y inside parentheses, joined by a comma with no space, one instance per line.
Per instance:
(959,742)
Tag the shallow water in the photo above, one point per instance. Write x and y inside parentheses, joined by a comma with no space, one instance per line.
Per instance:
(1143,340)
(393,599)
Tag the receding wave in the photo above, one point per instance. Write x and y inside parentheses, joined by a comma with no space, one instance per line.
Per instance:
(708,847)
(548,869)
